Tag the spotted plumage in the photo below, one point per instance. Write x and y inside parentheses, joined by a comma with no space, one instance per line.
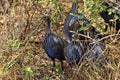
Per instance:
(53,44)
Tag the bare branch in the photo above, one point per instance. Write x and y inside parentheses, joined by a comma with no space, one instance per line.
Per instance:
(94,39)
(27,38)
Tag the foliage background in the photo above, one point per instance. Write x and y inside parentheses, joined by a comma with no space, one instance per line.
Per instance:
(29,61)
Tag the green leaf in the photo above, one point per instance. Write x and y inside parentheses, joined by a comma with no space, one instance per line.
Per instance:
(83,28)
(32,38)
(14,43)
(58,69)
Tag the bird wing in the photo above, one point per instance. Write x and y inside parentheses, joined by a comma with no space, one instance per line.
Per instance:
(54,43)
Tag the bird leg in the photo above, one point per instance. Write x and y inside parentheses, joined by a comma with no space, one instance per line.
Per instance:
(53,65)
(53,60)
(61,64)
(70,64)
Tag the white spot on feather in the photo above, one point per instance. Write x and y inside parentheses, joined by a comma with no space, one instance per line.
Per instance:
(55,39)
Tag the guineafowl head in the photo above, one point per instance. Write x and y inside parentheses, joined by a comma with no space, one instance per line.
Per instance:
(46,18)
(46,14)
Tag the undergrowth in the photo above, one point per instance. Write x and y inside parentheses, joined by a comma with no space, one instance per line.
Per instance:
(24,59)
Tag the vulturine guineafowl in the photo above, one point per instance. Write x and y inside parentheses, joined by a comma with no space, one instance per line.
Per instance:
(72,21)
(74,50)
(73,53)
(53,44)
(107,17)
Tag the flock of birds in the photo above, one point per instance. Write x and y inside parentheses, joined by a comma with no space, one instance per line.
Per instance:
(73,51)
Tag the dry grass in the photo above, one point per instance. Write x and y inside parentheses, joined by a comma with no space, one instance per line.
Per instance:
(29,62)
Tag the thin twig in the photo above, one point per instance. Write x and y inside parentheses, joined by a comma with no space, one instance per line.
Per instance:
(108,36)
(27,38)
(83,35)
(116,8)
(94,39)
